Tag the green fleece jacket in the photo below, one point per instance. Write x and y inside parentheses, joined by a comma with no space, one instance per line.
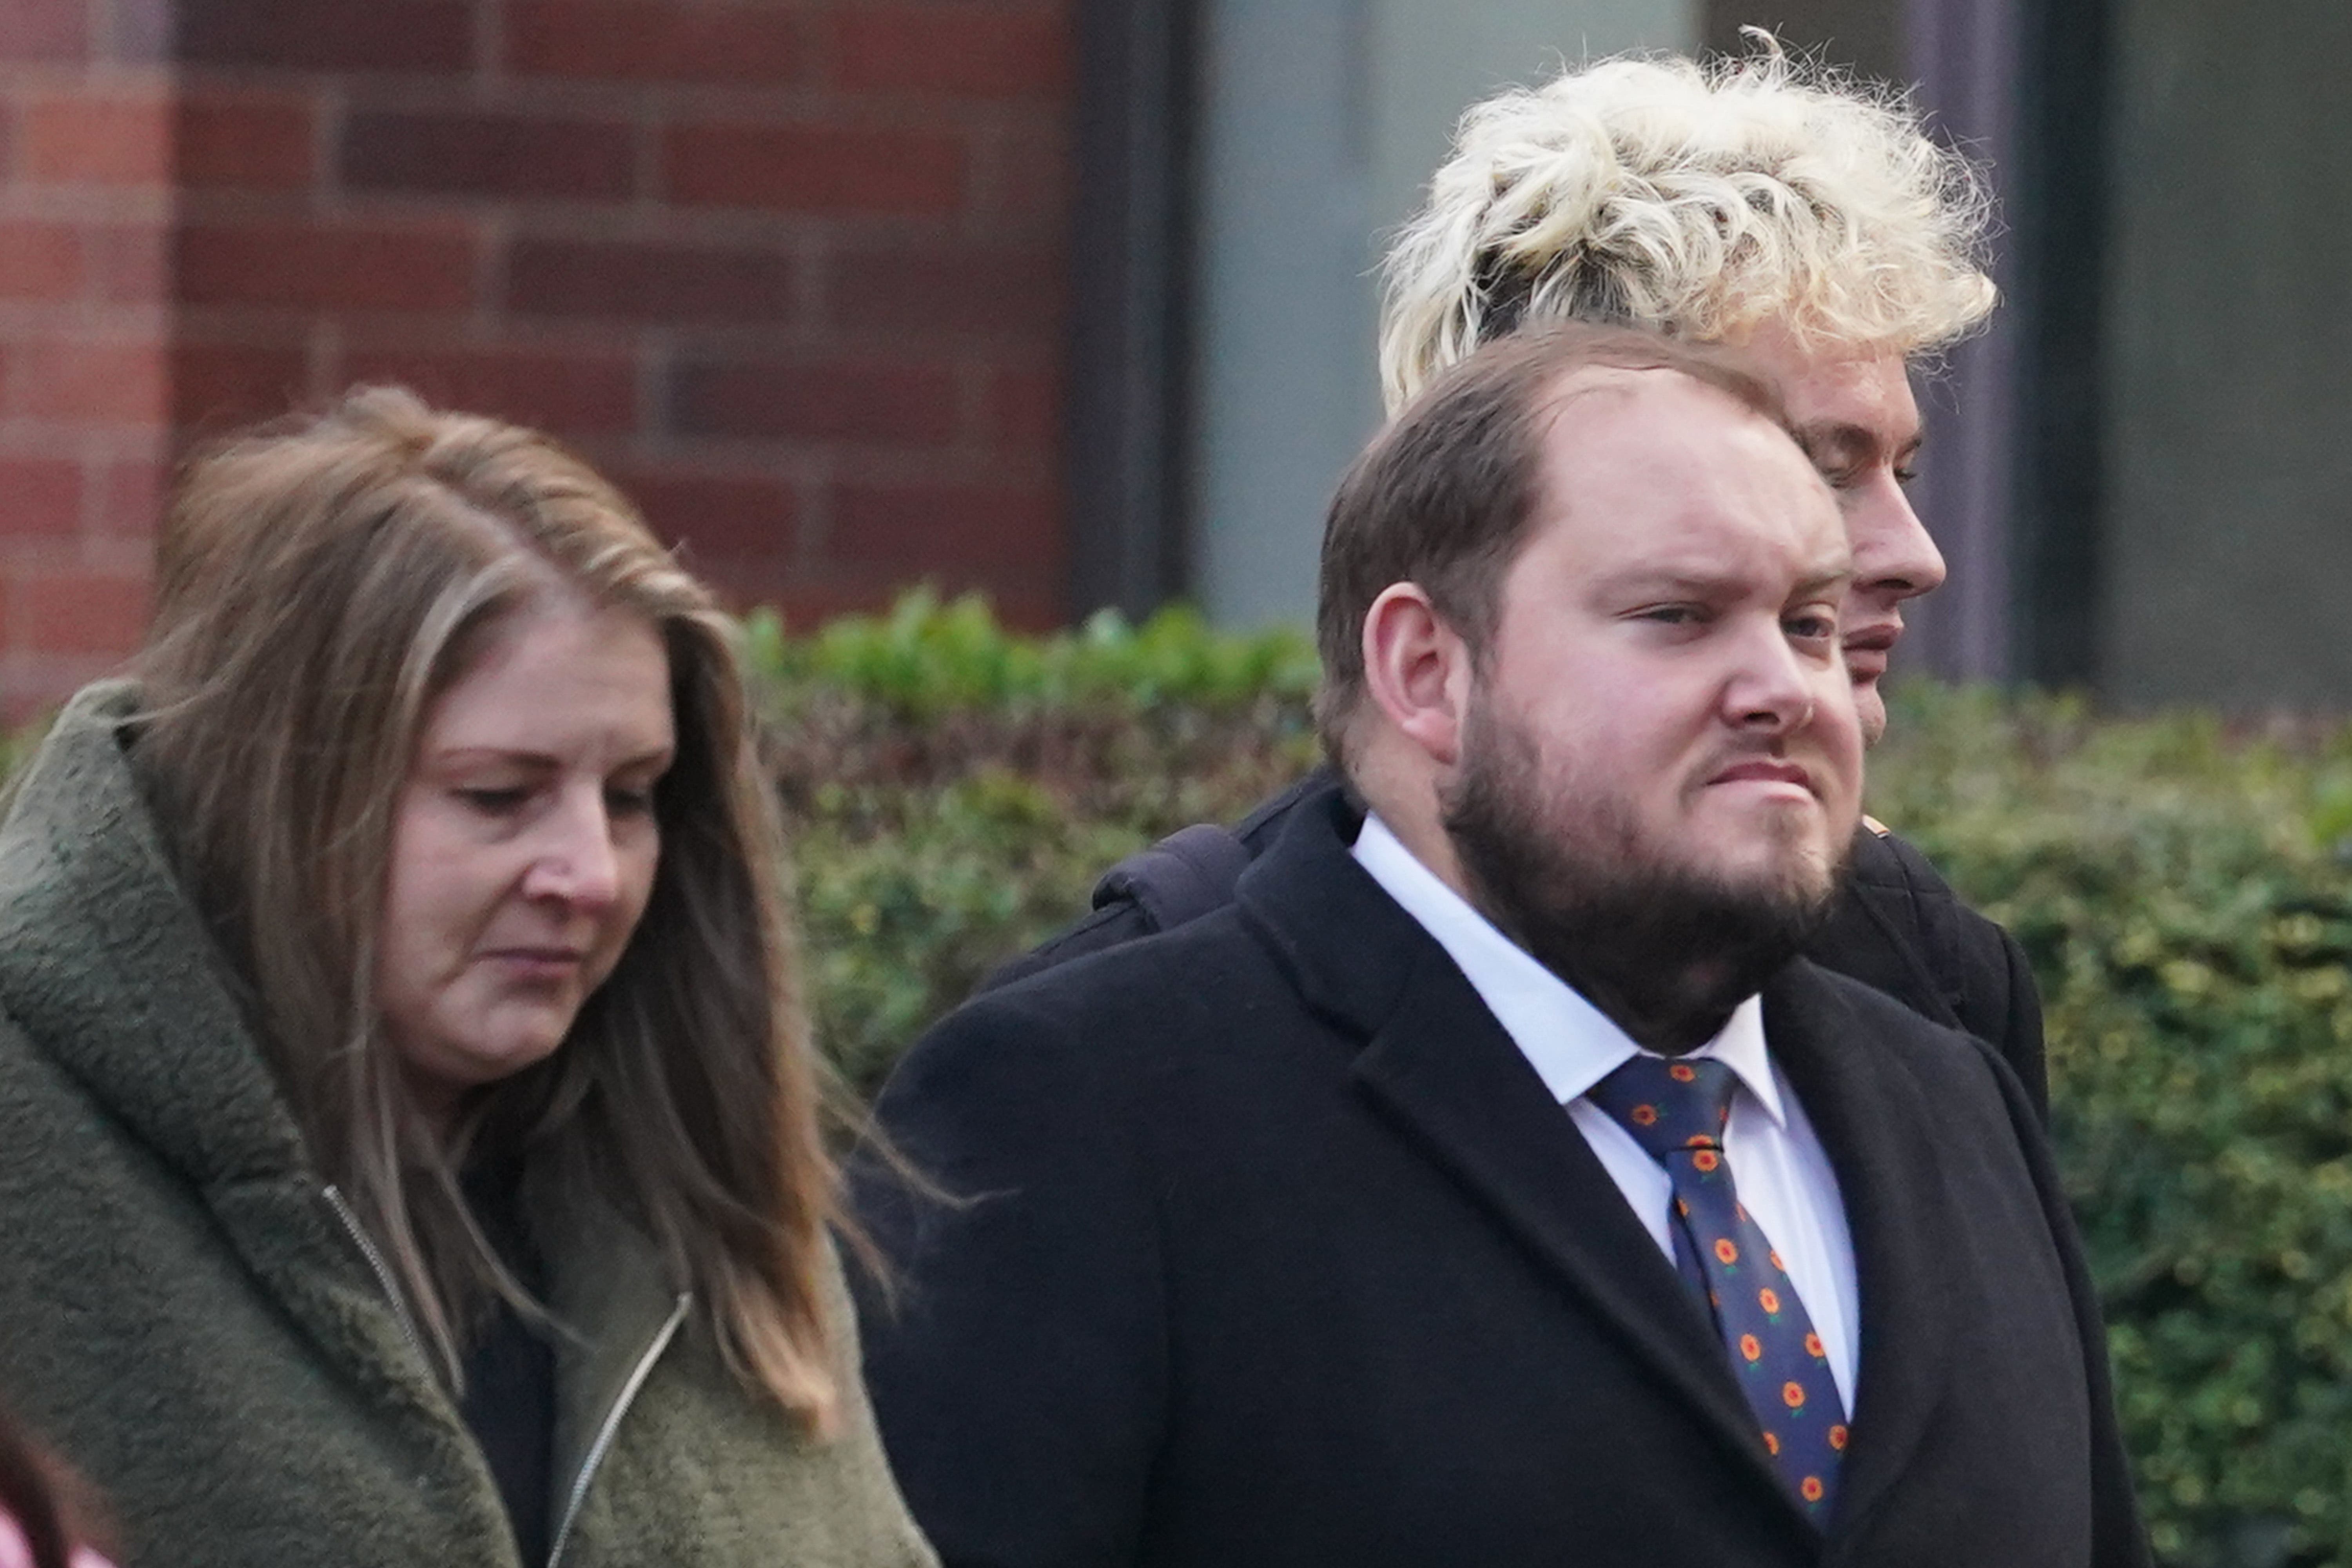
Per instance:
(188,1318)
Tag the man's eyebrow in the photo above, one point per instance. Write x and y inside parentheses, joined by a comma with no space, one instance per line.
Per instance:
(1831,578)
(1648,578)
(1834,442)
(1700,583)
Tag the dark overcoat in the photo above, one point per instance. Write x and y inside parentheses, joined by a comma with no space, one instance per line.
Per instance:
(1275,1250)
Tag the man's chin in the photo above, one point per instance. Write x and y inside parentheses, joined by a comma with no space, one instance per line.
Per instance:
(1870,707)
(1791,880)
(1801,861)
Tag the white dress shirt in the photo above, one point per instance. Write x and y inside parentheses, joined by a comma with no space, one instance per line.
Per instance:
(1783,1175)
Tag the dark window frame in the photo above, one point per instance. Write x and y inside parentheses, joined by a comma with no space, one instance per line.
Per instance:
(1124,402)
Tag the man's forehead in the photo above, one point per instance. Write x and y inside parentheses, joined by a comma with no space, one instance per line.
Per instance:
(1614,417)
(1842,401)
(1655,467)
(1589,398)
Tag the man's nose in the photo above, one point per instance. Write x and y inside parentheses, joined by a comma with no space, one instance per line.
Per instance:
(1895,557)
(1771,688)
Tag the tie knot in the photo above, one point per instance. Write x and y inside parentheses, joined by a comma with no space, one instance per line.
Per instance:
(1669,1105)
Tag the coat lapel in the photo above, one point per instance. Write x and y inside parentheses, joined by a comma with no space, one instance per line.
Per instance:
(1878,1130)
(1445,1072)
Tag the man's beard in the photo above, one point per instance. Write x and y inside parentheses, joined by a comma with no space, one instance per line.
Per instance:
(1664,948)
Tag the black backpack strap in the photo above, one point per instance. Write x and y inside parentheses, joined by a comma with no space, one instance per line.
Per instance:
(1180,878)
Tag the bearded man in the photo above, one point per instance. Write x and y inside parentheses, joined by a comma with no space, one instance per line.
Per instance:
(1491,1182)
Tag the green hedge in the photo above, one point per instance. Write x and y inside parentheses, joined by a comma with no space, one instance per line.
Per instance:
(2182,892)
(956,791)
(2180,887)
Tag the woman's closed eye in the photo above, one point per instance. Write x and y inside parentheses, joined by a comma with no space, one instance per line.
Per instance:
(497,800)
(629,802)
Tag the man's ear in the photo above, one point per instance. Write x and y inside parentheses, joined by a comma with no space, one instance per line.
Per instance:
(1417,669)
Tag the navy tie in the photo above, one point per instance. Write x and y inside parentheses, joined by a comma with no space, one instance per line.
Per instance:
(1677,1111)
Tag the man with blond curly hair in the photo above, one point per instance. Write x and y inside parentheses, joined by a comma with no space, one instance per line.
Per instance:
(1809,227)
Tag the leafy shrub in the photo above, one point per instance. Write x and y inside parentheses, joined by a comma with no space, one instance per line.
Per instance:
(955,791)
(2181,889)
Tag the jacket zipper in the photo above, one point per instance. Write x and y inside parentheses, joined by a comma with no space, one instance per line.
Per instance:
(620,1402)
(350,1219)
(604,1432)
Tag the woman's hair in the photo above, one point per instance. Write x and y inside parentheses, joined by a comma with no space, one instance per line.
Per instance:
(1697,201)
(319,584)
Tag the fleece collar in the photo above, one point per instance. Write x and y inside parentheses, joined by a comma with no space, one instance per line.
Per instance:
(104,960)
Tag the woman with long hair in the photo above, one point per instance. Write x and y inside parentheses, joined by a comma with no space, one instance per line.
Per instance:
(409,1133)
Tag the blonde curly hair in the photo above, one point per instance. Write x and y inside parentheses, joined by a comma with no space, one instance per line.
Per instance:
(1697,201)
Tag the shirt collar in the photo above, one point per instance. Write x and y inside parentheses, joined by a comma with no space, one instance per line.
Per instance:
(1571,1044)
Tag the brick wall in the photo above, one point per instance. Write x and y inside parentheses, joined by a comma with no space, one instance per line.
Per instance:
(85,205)
(792,271)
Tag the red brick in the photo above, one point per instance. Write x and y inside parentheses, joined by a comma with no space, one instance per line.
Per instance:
(97,382)
(965,289)
(39,260)
(813,168)
(216,386)
(39,498)
(488,154)
(36,686)
(78,612)
(312,267)
(925,528)
(849,401)
(804,604)
(248,142)
(44,29)
(130,497)
(641,40)
(1033,602)
(807,597)
(1023,412)
(645,282)
(404,35)
(1027,598)
(718,517)
(569,394)
(129,262)
(980,50)
(1031,182)
(91,141)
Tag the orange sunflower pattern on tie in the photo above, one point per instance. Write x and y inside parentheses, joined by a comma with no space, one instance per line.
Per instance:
(1677,1111)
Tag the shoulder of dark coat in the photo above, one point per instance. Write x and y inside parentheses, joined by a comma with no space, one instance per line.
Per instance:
(1938,1049)
(1125,969)
(1893,860)
(1188,874)
(1111,925)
